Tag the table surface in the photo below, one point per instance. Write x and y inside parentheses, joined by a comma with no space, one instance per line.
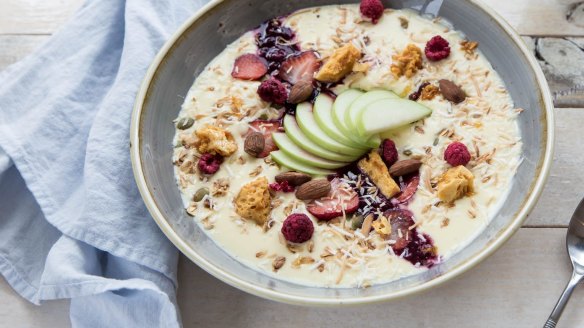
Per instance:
(516,287)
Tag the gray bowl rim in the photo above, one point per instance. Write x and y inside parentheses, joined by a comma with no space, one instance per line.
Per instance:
(232,279)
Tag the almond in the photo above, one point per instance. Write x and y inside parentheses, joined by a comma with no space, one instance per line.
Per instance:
(451,91)
(300,92)
(313,189)
(404,167)
(293,178)
(254,144)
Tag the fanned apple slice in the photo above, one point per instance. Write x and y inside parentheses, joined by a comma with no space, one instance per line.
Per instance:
(359,105)
(308,125)
(295,134)
(281,158)
(388,114)
(292,150)
(323,108)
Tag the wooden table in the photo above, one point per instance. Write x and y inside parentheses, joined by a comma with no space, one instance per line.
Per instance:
(516,287)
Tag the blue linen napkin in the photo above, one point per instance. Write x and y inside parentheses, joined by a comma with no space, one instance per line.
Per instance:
(72,223)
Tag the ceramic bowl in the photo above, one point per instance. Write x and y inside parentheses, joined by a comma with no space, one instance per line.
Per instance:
(219,23)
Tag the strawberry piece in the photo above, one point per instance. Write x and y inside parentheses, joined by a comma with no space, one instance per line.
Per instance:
(409,186)
(266,128)
(299,67)
(249,67)
(331,206)
(400,221)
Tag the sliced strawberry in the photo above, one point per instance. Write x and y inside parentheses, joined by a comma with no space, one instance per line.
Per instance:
(400,221)
(299,67)
(249,67)
(409,186)
(341,197)
(266,128)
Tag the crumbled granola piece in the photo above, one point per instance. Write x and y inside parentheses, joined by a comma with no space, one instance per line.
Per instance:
(339,64)
(455,183)
(408,62)
(429,92)
(468,46)
(214,140)
(382,226)
(361,67)
(373,166)
(220,187)
(253,201)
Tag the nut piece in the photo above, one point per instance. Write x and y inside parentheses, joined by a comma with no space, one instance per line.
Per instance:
(339,64)
(253,201)
(373,166)
(451,91)
(293,178)
(404,167)
(455,183)
(254,144)
(313,189)
(408,62)
(300,92)
(278,262)
(215,140)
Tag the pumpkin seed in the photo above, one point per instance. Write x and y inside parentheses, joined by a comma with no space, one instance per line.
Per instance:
(185,123)
(200,194)
(435,142)
(357,222)
(407,152)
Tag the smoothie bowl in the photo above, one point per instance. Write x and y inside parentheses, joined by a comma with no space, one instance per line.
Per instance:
(341,153)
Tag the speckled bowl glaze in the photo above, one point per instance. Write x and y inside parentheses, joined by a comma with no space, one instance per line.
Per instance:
(207,33)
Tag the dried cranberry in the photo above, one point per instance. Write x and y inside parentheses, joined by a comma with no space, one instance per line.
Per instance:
(457,154)
(273,91)
(297,228)
(209,163)
(283,186)
(388,152)
(437,48)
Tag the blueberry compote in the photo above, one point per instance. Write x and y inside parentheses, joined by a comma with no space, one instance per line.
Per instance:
(275,43)
(406,242)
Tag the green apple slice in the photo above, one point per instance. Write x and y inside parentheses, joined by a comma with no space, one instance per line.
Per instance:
(308,125)
(297,136)
(302,156)
(281,158)
(388,114)
(323,107)
(359,105)
(341,106)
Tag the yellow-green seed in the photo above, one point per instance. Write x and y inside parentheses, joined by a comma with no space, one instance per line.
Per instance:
(200,194)
(185,123)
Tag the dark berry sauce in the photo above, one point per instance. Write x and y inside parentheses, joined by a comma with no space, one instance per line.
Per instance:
(275,43)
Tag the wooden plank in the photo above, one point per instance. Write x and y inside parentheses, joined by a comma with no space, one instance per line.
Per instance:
(535,17)
(561,60)
(565,185)
(516,287)
(542,17)
(16,47)
(35,16)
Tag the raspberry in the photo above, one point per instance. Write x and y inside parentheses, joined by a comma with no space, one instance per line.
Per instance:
(372,9)
(297,228)
(209,163)
(283,186)
(388,152)
(437,48)
(456,154)
(273,91)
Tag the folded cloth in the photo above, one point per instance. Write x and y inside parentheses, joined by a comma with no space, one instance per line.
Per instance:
(72,223)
